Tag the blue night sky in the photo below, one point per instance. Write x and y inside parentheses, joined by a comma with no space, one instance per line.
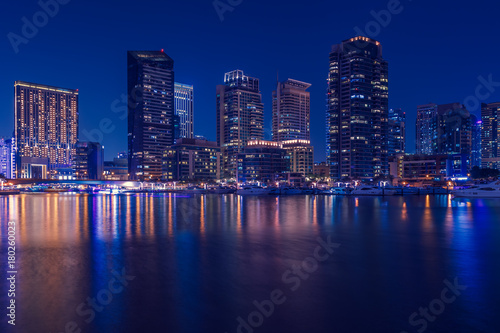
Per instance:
(436,52)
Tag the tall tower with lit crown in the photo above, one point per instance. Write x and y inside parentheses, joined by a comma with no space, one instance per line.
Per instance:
(357,110)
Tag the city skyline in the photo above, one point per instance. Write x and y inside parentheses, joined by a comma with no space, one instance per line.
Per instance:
(308,64)
(147,69)
(250,166)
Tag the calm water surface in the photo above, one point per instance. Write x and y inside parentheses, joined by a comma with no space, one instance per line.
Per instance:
(201,261)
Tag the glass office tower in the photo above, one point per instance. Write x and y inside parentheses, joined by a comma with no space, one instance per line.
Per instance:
(357,110)
(240,117)
(151,125)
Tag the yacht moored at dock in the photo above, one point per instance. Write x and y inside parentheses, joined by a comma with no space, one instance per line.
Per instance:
(253,190)
(373,190)
(491,190)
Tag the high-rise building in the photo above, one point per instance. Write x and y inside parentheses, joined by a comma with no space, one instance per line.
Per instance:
(89,161)
(300,155)
(475,158)
(448,129)
(192,159)
(445,129)
(357,111)
(397,132)
(151,118)
(262,161)
(184,106)
(240,117)
(5,150)
(46,129)
(426,129)
(291,111)
(11,159)
(490,150)
(455,126)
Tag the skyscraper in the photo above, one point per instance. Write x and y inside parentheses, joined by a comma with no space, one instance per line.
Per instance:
(151,112)
(240,117)
(5,148)
(357,111)
(46,129)
(475,158)
(455,127)
(426,129)
(291,111)
(397,132)
(448,129)
(490,133)
(184,106)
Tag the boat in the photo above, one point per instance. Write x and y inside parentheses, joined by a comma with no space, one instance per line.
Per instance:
(340,191)
(253,190)
(373,190)
(322,192)
(491,190)
(111,191)
(10,192)
(194,190)
(56,190)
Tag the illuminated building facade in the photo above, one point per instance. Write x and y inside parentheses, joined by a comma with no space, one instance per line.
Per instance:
(291,111)
(397,132)
(192,159)
(7,158)
(300,154)
(490,133)
(448,129)
(46,130)
(357,110)
(151,118)
(476,157)
(429,167)
(262,161)
(426,134)
(117,169)
(456,131)
(240,117)
(321,170)
(184,106)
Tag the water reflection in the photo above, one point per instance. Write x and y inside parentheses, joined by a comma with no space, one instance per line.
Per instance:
(201,260)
